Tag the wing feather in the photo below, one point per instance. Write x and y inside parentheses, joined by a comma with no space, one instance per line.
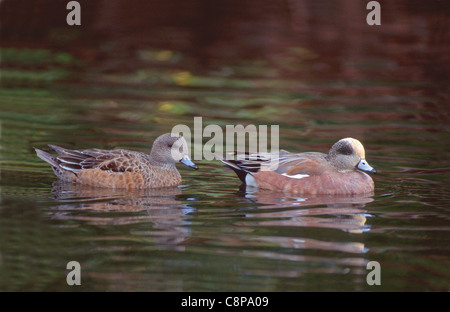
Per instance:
(108,160)
(282,163)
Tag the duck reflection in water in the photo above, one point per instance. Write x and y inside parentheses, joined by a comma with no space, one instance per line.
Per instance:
(121,207)
(277,209)
(347,212)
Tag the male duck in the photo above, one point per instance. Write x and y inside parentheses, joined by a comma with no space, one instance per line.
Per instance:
(121,168)
(340,172)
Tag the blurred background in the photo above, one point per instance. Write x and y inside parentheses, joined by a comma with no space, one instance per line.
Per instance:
(200,36)
(135,68)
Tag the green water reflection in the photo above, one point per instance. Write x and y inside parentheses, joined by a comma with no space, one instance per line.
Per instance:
(210,234)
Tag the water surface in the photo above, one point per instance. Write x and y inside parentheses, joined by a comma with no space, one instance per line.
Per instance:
(388,88)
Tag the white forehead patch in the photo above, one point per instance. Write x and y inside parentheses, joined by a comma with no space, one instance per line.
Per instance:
(357,147)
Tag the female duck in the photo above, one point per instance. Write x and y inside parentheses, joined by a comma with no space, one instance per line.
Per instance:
(122,168)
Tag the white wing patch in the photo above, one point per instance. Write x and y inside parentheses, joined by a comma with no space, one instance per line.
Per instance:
(296,176)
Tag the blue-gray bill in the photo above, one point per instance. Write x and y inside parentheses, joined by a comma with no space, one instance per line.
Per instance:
(188,162)
(364,166)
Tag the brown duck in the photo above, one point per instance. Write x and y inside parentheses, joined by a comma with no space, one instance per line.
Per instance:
(122,168)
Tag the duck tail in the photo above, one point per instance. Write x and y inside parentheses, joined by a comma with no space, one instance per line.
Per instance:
(47,157)
(242,173)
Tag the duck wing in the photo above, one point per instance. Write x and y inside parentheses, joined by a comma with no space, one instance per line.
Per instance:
(284,163)
(108,160)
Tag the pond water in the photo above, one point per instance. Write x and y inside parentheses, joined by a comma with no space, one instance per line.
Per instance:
(388,88)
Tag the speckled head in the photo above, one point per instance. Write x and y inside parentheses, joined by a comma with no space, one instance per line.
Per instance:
(169,149)
(348,154)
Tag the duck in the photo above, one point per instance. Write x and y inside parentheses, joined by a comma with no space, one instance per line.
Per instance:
(120,168)
(342,171)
